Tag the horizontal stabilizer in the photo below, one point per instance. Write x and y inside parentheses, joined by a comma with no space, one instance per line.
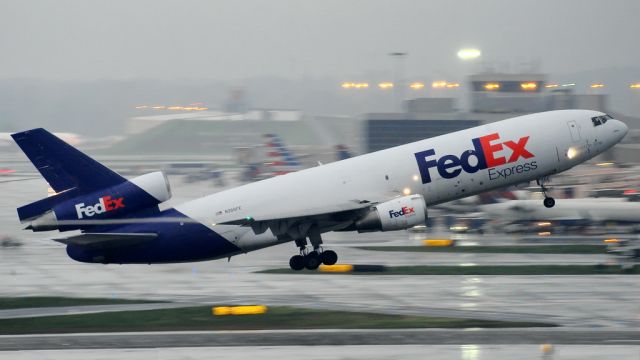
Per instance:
(37,208)
(107,240)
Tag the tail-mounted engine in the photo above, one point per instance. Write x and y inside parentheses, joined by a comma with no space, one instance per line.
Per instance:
(397,214)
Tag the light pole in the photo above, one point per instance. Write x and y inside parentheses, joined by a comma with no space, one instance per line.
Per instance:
(467,57)
(398,79)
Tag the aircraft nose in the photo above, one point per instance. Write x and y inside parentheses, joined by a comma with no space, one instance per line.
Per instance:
(620,129)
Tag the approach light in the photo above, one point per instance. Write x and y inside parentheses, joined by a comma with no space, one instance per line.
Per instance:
(438,84)
(492,86)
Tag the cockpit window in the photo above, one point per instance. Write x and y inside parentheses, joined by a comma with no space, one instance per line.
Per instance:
(599,120)
(596,121)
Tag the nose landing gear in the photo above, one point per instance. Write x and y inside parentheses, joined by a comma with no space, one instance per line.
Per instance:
(548,201)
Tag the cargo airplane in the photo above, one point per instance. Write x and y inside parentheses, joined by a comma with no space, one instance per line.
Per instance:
(120,220)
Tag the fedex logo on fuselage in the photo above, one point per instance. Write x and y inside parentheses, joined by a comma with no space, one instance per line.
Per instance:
(403,212)
(488,151)
(105,203)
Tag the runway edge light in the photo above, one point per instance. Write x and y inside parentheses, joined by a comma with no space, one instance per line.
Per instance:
(239,310)
(438,242)
(337,268)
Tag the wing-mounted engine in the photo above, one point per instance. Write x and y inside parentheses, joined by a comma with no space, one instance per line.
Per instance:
(74,209)
(397,214)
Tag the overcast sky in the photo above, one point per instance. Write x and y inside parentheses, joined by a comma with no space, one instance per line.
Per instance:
(237,39)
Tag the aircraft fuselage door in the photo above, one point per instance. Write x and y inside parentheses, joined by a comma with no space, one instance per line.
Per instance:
(575,130)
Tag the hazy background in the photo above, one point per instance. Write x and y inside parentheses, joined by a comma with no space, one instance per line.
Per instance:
(83,65)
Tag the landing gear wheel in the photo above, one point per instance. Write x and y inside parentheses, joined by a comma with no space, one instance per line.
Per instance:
(549,202)
(297,262)
(312,260)
(329,257)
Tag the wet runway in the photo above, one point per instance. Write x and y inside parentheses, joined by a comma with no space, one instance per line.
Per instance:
(578,301)
(605,305)
(351,352)
(320,338)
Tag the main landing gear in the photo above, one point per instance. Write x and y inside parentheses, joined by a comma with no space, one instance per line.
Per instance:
(548,201)
(312,259)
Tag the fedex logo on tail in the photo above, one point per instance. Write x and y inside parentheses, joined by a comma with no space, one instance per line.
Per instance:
(488,152)
(403,212)
(105,203)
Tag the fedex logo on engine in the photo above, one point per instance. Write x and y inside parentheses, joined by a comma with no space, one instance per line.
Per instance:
(105,203)
(489,152)
(403,212)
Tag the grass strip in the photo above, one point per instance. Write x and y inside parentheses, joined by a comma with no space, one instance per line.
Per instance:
(200,318)
(53,301)
(518,249)
(482,270)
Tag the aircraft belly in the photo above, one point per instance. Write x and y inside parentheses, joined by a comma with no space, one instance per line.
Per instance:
(177,241)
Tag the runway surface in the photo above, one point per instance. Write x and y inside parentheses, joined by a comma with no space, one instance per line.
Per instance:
(319,338)
(350,352)
(582,301)
(603,309)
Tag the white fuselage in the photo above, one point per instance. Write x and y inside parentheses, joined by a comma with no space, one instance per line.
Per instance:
(523,149)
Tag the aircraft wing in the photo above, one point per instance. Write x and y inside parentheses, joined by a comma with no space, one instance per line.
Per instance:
(296,222)
(351,205)
(107,240)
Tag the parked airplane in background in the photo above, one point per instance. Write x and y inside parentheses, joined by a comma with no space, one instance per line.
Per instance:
(569,212)
(391,189)
(275,158)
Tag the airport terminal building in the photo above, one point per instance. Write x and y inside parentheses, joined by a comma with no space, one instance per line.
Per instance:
(490,97)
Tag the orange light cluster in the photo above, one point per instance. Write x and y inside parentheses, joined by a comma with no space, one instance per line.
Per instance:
(416,85)
(528,86)
(438,84)
(385,85)
(444,84)
(164,107)
(596,86)
(352,85)
(492,86)
(635,86)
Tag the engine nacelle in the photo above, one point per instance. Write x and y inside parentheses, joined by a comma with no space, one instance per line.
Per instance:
(80,211)
(397,214)
(155,184)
